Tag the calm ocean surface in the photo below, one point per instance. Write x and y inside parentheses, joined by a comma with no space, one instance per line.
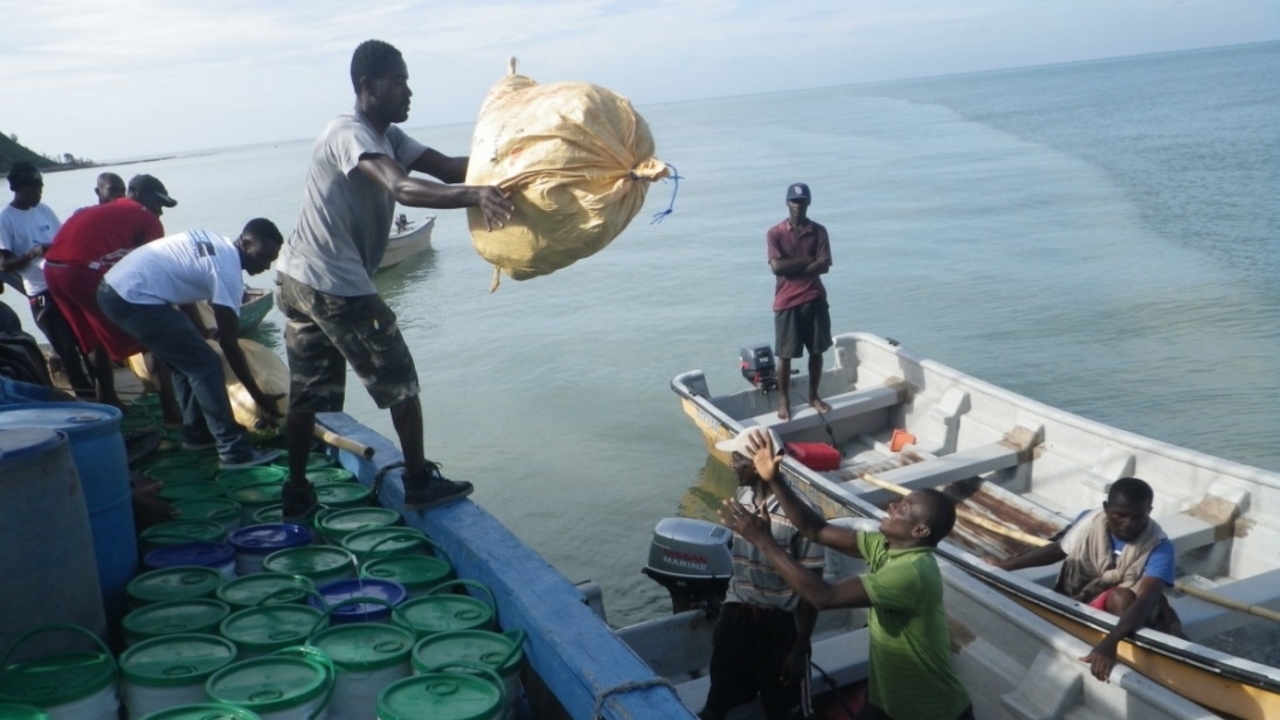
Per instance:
(1102,236)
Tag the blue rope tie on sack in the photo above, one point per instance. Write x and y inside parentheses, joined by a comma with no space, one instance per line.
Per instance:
(676,177)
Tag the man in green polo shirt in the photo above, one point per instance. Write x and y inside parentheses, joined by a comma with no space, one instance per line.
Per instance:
(911,673)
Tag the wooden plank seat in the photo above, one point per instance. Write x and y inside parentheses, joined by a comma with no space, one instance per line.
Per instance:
(956,466)
(1201,619)
(843,406)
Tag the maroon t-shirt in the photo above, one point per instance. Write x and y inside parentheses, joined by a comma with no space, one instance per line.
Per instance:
(104,233)
(786,242)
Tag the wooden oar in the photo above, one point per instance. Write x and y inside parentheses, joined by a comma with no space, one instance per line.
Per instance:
(342,442)
(1041,542)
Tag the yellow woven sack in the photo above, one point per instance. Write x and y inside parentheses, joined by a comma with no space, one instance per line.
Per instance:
(577,159)
(269,372)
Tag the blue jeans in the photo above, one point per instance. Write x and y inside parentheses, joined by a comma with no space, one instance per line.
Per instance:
(198,379)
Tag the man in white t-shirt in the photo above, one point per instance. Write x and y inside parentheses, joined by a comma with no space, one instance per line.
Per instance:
(139,295)
(27,227)
(359,170)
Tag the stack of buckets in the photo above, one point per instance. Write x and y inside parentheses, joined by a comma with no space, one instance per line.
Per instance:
(349,618)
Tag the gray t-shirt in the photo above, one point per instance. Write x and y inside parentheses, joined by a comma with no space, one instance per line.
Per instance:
(342,230)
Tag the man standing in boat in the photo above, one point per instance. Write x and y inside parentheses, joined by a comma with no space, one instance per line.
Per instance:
(799,255)
(1116,559)
(760,645)
(359,170)
(912,677)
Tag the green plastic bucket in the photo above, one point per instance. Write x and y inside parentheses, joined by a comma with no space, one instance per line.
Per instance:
(175,583)
(75,685)
(419,574)
(195,490)
(200,615)
(338,524)
(326,475)
(500,652)
(343,495)
(447,694)
(251,475)
(204,711)
(291,685)
(253,497)
(180,532)
(367,657)
(274,513)
(207,460)
(224,511)
(314,460)
(321,563)
(21,711)
(262,630)
(170,671)
(266,588)
(380,542)
(442,611)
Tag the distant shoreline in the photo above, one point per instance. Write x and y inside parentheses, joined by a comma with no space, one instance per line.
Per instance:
(59,167)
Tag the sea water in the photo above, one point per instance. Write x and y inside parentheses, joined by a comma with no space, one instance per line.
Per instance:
(1100,236)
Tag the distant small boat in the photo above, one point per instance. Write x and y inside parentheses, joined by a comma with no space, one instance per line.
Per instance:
(403,245)
(254,306)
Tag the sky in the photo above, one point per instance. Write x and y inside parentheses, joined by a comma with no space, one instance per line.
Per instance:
(141,78)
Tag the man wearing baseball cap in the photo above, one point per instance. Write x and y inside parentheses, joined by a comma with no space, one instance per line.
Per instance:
(799,255)
(760,645)
(149,191)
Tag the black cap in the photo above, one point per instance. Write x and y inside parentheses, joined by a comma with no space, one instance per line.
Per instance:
(798,191)
(144,185)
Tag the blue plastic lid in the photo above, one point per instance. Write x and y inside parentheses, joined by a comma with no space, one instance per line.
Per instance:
(338,591)
(204,554)
(27,441)
(70,417)
(268,538)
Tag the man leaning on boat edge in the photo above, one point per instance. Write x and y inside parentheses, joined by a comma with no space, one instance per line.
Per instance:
(1116,559)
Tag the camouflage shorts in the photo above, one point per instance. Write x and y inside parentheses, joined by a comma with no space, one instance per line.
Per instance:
(324,333)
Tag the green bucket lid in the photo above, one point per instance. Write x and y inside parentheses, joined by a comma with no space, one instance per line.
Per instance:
(204,711)
(269,684)
(199,615)
(55,680)
(381,542)
(314,460)
(256,495)
(175,583)
(433,614)
(274,513)
(183,472)
(176,660)
(251,475)
(469,646)
(20,711)
(365,646)
(198,490)
(268,628)
(440,696)
(343,495)
(321,563)
(326,475)
(414,572)
(215,509)
(341,523)
(177,532)
(265,587)
(182,458)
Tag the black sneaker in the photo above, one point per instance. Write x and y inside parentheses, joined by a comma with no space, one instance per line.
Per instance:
(297,503)
(431,489)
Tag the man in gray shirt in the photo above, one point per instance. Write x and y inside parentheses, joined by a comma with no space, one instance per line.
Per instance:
(359,170)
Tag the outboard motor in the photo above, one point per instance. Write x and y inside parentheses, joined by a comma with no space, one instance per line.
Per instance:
(692,560)
(758,366)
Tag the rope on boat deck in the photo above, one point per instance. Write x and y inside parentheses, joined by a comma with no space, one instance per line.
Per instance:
(598,712)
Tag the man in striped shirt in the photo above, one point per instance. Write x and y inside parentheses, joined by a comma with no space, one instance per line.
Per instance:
(761,640)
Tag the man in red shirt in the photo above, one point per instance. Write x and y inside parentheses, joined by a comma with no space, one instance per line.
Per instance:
(799,254)
(90,242)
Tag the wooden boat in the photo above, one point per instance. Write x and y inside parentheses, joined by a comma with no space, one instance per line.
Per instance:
(1022,471)
(401,246)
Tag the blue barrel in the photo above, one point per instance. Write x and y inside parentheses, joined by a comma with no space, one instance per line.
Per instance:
(97,448)
(47,570)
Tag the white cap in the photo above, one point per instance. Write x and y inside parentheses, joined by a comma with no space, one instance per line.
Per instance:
(739,444)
